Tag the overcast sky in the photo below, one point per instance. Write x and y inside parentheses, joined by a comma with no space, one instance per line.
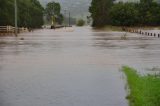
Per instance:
(76,7)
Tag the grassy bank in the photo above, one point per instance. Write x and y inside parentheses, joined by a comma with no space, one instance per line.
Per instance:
(119,28)
(109,28)
(144,90)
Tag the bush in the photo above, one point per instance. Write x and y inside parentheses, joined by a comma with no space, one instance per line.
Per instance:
(80,22)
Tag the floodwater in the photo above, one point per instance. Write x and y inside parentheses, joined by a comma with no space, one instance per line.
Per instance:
(71,67)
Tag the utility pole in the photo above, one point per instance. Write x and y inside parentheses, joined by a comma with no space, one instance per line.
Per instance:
(69,18)
(65,11)
(15,17)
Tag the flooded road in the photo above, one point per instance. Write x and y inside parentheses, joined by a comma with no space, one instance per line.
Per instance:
(72,67)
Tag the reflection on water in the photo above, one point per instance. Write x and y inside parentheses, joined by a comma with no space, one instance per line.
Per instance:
(75,67)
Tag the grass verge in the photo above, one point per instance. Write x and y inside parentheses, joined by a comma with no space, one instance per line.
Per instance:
(109,28)
(144,90)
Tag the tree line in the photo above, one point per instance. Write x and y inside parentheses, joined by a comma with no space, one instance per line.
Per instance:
(30,13)
(108,12)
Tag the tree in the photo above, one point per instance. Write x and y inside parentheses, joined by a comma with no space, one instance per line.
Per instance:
(88,19)
(149,12)
(99,10)
(37,13)
(144,7)
(60,19)
(146,12)
(124,14)
(6,14)
(53,9)
(30,13)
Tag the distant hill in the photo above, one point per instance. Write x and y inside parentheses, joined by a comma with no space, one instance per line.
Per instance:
(78,8)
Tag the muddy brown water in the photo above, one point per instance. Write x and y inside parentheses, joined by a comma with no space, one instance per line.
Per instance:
(71,67)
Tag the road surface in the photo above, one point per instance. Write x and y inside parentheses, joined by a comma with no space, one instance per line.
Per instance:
(71,67)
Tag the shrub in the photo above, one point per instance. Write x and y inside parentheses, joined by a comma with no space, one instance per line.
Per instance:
(80,22)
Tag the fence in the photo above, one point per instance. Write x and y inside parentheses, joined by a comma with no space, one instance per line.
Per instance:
(9,30)
(142,32)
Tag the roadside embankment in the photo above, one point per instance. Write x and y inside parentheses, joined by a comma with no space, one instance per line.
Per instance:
(121,28)
(109,28)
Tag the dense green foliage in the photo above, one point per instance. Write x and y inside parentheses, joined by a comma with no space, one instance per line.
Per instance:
(146,12)
(144,90)
(30,13)
(53,9)
(80,22)
(99,10)
(6,14)
(149,12)
(124,14)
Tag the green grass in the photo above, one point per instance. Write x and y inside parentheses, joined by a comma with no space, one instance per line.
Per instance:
(144,90)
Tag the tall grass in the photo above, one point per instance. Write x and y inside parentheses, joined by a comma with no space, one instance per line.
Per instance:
(144,90)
